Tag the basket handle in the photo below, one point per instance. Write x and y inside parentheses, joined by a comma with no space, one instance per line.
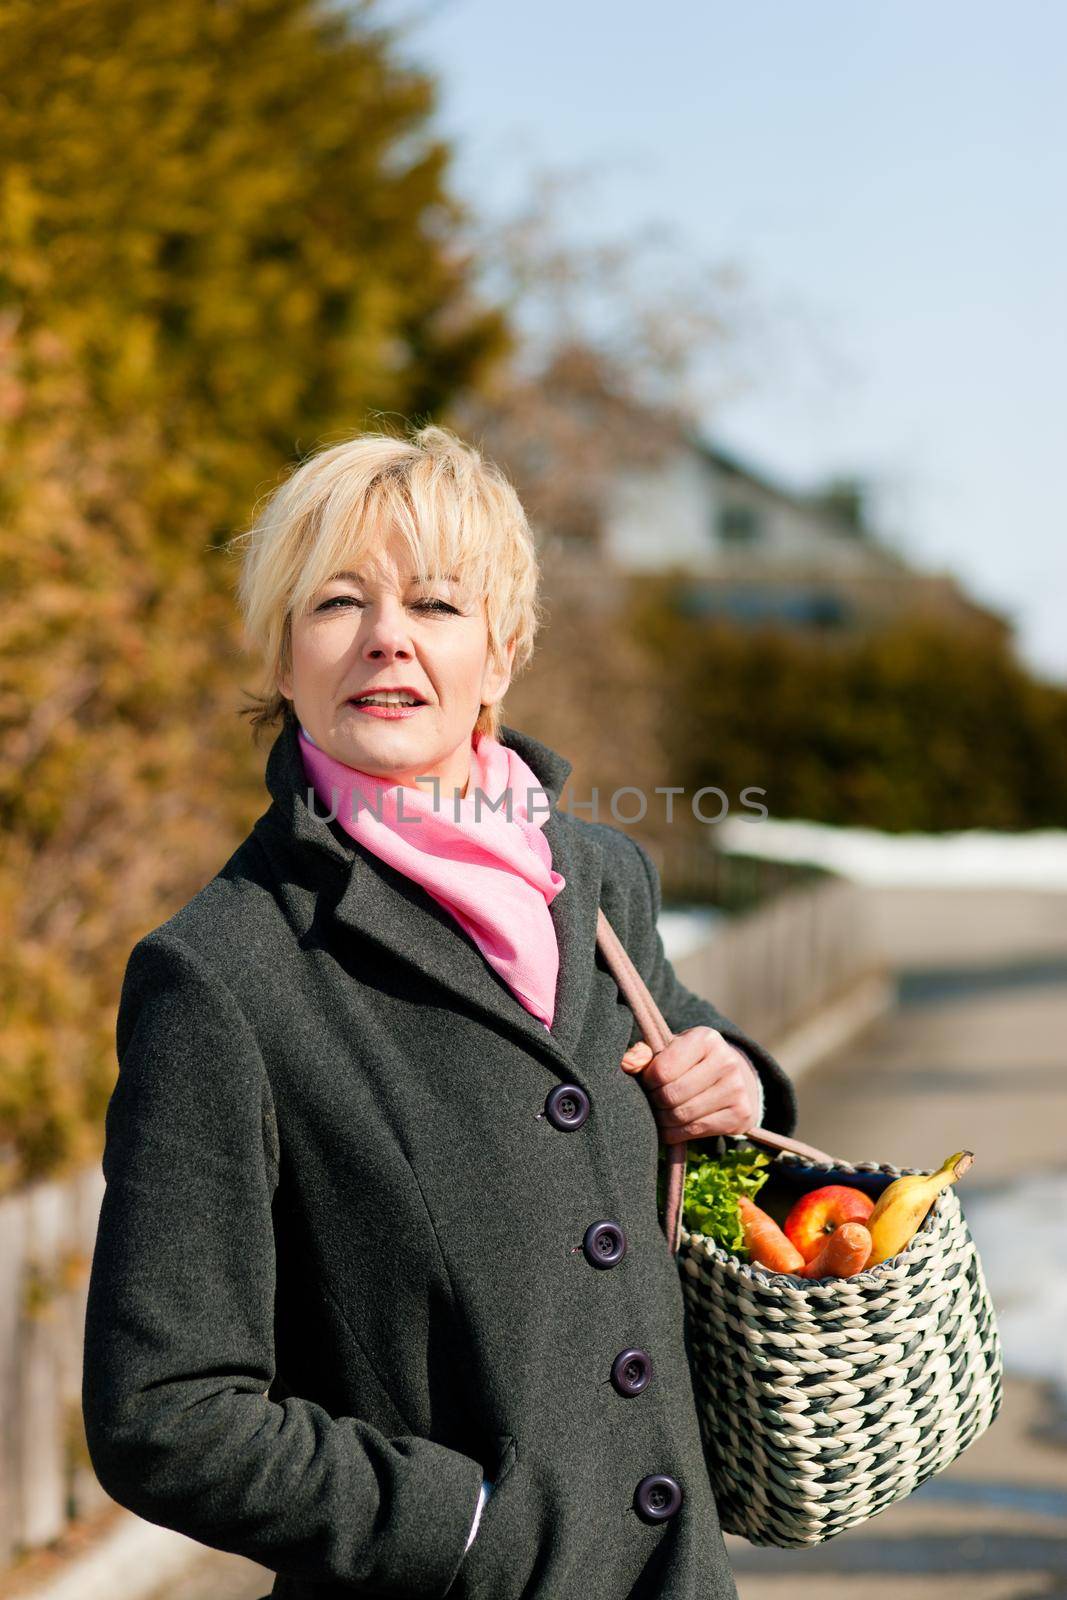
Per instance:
(657,1035)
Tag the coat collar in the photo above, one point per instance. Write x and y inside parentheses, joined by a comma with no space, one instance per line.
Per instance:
(365,894)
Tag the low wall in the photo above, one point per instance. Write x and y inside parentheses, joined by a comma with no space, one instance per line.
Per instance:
(950,927)
(803,973)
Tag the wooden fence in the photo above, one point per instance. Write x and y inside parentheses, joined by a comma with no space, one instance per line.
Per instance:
(46,1242)
(769,969)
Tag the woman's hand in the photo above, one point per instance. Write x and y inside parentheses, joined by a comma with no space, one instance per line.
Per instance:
(698,1085)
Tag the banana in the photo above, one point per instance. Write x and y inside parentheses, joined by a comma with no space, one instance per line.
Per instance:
(902,1205)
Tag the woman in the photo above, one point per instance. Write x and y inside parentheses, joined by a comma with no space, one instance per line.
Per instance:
(380,1297)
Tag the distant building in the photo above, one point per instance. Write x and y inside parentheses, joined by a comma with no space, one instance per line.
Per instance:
(749,550)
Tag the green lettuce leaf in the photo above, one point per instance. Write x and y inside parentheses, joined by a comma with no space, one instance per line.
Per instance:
(712,1187)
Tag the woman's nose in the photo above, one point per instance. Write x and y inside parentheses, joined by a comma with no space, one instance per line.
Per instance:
(385,631)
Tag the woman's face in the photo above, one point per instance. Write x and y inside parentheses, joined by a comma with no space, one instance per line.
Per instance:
(383,628)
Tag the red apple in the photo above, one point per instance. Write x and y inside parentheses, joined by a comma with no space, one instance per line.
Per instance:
(817,1213)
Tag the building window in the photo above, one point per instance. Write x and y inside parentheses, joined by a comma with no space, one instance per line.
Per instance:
(827,611)
(797,608)
(738,524)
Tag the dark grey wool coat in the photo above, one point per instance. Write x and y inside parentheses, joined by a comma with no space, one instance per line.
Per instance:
(341,1263)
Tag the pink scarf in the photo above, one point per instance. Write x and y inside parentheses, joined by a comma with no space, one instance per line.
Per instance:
(495,876)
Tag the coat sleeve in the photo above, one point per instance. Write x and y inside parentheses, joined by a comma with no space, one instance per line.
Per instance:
(684,1009)
(179,1352)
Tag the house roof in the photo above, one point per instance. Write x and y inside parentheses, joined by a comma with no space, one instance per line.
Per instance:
(727,462)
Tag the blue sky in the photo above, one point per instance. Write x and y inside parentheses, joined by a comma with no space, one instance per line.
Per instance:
(891,178)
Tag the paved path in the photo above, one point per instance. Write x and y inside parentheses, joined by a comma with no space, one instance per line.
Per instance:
(220,1577)
(971,1059)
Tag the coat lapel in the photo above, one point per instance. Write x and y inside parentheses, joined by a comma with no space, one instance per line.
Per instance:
(382,904)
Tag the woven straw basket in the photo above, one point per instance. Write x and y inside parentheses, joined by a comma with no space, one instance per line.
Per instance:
(823,1401)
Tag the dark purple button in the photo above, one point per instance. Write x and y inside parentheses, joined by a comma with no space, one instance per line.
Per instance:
(657,1497)
(567,1106)
(631,1371)
(604,1244)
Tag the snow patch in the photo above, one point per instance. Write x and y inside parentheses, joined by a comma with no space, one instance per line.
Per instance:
(974,858)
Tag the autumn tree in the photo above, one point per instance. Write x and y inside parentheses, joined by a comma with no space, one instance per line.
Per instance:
(227,236)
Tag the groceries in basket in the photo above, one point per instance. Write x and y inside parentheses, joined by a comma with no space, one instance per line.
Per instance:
(834,1231)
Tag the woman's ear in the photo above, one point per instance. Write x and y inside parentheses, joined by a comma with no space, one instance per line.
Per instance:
(497,676)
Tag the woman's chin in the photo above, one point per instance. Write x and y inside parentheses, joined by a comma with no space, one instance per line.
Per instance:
(386,749)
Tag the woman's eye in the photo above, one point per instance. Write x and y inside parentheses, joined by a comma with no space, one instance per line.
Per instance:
(441,606)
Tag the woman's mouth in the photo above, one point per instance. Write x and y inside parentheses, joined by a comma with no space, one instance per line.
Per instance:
(389,707)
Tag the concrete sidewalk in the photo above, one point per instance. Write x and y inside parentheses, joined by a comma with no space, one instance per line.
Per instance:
(973,1058)
(114,1555)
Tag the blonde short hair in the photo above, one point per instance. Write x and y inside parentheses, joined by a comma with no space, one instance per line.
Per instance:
(454,509)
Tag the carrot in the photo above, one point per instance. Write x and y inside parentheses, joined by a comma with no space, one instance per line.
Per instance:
(844,1253)
(766,1242)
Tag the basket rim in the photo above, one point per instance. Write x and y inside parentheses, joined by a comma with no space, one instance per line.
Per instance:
(945,1201)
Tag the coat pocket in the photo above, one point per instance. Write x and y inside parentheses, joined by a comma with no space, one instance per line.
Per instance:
(507,1451)
(505,1550)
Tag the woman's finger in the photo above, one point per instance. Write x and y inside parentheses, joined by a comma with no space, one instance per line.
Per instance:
(638,1056)
(712,1102)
